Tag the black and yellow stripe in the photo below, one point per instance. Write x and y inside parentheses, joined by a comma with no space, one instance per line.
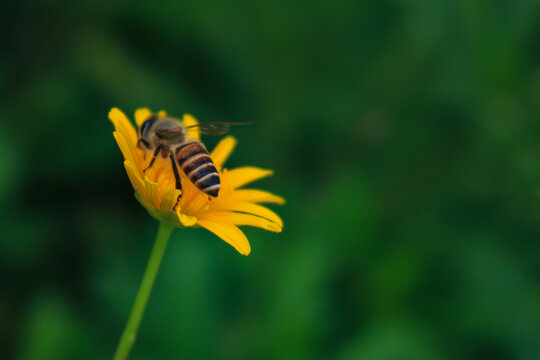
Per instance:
(195,162)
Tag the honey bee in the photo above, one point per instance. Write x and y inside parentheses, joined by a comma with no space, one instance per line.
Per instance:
(169,136)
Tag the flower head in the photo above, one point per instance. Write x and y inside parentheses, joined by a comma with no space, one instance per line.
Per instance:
(155,188)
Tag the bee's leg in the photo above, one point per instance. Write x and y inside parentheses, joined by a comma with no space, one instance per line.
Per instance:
(177,177)
(144,142)
(156,152)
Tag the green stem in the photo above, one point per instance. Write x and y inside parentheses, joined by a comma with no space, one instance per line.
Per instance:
(128,337)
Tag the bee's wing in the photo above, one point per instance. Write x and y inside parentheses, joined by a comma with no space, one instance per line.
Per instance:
(170,133)
(217,128)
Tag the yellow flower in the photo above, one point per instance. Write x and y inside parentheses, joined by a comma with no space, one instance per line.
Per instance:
(155,188)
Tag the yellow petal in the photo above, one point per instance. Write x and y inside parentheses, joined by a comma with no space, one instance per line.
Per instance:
(255,196)
(241,176)
(184,219)
(193,132)
(162,113)
(226,231)
(136,181)
(167,199)
(222,151)
(240,219)
(152,192)
(141,115)
(126,147)
(122,124)
(253,209)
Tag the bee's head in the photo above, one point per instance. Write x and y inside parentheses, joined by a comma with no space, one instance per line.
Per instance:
(146,125)
(161,130)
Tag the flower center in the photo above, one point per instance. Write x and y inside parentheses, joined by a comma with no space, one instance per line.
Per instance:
(192,200)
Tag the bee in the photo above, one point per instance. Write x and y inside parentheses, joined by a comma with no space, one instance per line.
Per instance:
(169,137)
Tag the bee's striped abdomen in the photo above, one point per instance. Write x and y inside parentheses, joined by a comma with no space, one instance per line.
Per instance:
(195,162)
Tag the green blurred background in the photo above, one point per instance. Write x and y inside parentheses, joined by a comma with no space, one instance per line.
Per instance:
(404,135)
